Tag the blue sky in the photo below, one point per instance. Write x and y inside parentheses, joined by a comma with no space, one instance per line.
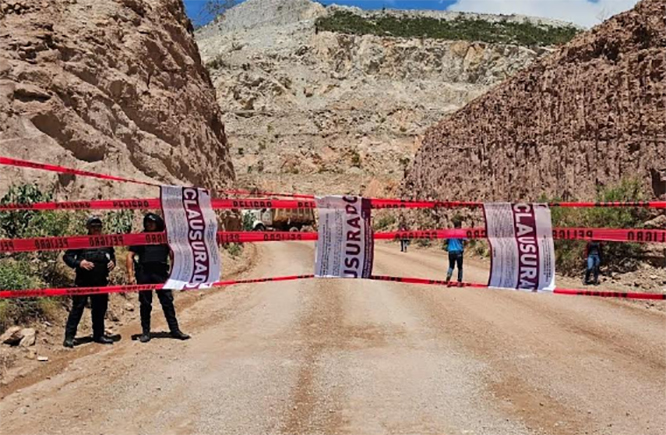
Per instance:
(582,12)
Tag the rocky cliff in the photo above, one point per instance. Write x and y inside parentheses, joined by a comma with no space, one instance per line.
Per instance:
(113,86)
(332,112)
(591,114)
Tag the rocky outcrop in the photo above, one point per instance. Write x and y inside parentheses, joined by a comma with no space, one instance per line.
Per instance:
(591,114)
(115,87)
(328,112)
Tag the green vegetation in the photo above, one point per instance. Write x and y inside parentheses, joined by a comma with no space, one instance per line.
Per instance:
(383,221)
(28,270)
(248,220)
(527,34)
(17,275)
(234,249)
(619,257)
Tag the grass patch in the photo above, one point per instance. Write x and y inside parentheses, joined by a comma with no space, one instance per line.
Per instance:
(383,222)
(459,29)
(26,270)
(617,257)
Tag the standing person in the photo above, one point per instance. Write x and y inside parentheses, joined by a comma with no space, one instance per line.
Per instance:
(92,270)
(150,265)
(456,248)
(593,255)
(404,241)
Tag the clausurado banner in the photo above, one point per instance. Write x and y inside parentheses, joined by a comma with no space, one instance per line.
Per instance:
(345,242)
(522,248)
(191,227)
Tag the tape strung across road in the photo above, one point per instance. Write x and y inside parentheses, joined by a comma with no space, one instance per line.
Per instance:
(259,203)
(298,202)
(141,239)
(70,291)
(305,201)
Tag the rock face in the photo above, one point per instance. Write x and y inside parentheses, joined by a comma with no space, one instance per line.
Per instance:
(328,112)
(590,114)
(113,86)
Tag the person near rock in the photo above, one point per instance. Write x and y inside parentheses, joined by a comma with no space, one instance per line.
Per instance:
(456,248)
(92,267)
(150,265)
(404,241)
(593,254)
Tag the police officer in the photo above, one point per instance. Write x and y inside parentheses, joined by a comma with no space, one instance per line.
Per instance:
(92,270)
(149,264)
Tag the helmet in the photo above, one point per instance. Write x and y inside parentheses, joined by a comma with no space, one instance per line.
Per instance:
(93,220)
(152,217)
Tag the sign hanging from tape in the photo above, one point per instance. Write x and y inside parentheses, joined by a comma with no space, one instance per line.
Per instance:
(345,243)
(191,227)
(521,244)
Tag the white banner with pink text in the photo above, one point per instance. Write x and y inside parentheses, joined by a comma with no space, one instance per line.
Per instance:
(521,244)
(345,245)
(191,227)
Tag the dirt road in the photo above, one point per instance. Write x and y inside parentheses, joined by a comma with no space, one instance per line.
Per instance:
(349,357)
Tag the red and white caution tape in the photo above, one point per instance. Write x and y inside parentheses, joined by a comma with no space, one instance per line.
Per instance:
(83,242)
(377,203)
(71,291)
(557,291)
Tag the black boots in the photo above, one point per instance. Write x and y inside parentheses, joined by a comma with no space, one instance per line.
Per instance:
(69,342)
(180,335)
(145,336)
(102,339)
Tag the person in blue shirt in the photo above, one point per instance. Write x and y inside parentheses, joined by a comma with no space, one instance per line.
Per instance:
(456,248)
(593,254)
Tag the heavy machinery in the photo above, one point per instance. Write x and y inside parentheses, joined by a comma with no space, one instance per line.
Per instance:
(267,219)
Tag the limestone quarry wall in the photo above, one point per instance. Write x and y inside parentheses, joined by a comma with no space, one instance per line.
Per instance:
(591,114)
(328,112)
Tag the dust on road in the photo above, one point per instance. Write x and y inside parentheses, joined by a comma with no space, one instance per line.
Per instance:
(347,356)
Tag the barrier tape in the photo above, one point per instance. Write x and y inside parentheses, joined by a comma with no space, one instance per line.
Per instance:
(557,291)
(79,291)
(141,239)
(377,203)
(260,203)
(71,291)
(63,170)
(154,203)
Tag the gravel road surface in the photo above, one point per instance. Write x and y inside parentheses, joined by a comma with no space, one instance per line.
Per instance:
(361,357)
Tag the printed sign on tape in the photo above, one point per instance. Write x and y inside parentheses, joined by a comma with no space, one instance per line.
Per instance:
(522,248)
(191,227)
(345,245)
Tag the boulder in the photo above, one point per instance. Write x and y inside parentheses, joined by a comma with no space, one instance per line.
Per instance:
(28,337)
(11,336)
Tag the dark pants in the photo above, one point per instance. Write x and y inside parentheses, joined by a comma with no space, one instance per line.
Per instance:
(593,264)
(157,274)
(403,245)
(99,303)
(455,258)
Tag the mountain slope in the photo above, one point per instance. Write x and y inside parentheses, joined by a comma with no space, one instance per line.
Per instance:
(591,114)
(115,86)
(341,111)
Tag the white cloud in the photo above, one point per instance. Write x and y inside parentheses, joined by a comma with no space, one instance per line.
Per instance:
(582,12)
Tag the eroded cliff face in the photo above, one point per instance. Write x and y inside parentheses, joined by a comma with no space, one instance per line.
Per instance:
(114,86)
(327,112)
(591,114)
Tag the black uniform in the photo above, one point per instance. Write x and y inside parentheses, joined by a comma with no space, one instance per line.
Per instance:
(97,277)
(152,267)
